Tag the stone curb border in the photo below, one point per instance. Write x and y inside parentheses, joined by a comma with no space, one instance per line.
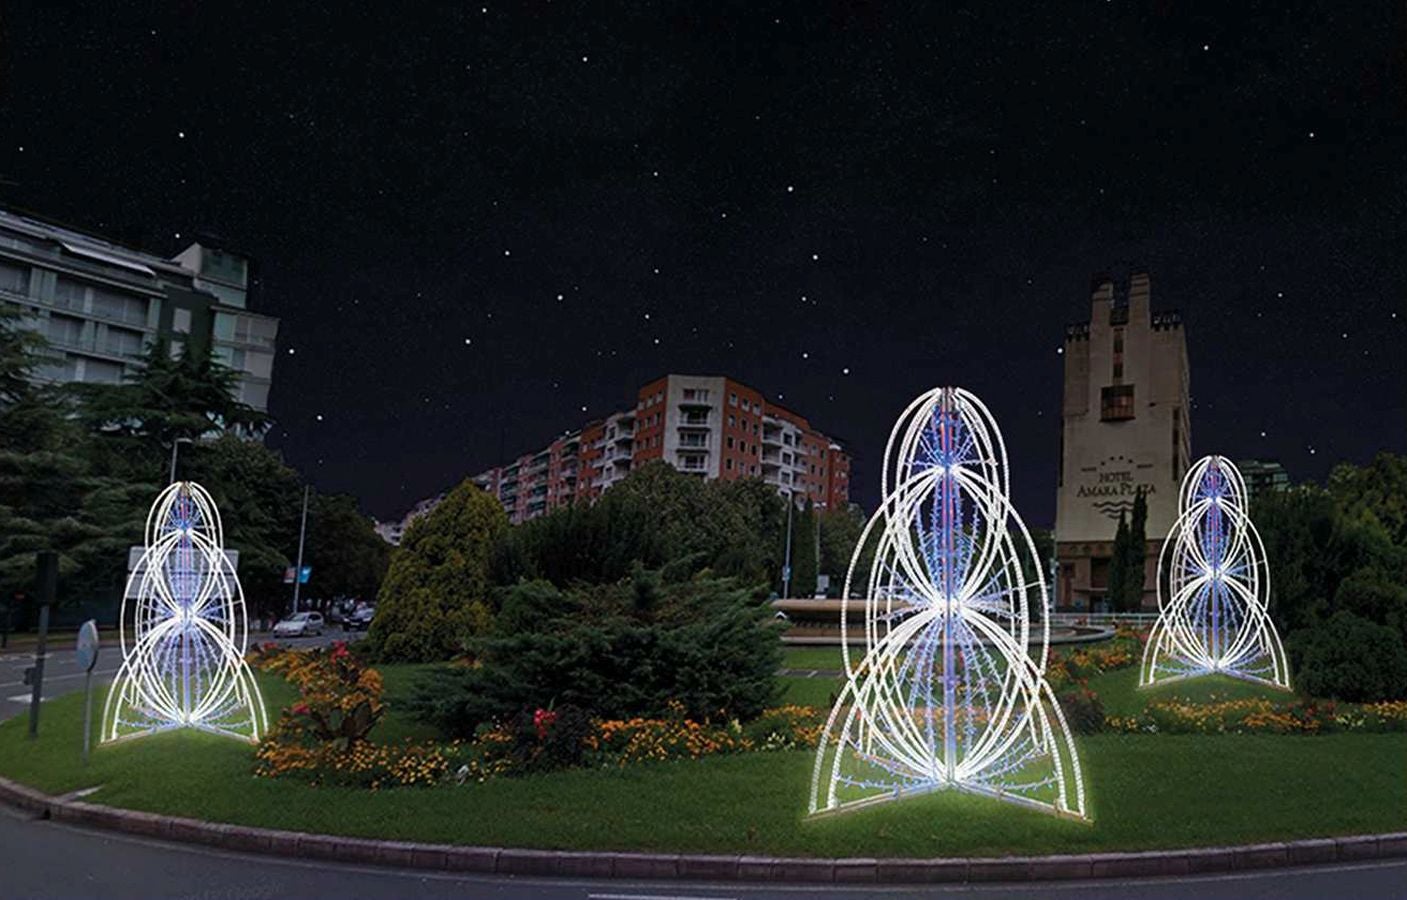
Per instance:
(504,861)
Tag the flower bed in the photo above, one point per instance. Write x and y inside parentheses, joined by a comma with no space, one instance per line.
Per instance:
(1262,716)
(323,738)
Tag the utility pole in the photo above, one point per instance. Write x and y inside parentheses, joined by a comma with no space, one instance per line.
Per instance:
(48,565)
(302,533)
(786,564)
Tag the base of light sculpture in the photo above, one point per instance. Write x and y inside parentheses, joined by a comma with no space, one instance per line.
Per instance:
(947,696)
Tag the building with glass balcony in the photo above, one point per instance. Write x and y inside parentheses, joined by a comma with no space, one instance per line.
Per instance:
(100,304)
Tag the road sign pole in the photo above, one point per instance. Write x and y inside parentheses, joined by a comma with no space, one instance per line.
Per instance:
(48,566)
(87,651)
(87,714)
(302,533)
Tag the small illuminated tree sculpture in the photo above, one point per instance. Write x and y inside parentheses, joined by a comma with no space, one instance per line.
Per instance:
(183,657)
(947,694)
(1213,618)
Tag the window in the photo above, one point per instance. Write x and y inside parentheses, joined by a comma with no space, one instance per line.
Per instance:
(728,464)
(1116,403)
(64,330)
(732,421)
(14,279)
(181,321)
(112,304)
(732,399)
(1118,355)
(730,442)
(122,342)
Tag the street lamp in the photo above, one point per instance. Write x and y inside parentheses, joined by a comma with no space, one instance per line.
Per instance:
(786,563)
(174,445)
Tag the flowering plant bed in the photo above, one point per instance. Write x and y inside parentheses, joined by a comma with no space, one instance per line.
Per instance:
(1259,715)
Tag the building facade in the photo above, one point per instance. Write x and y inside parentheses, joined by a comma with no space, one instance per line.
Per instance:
(710,426)
(1125,429)
(100,304)
(1263,476)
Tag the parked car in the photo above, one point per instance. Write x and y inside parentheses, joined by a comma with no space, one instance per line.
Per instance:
(299,625)
(359,619)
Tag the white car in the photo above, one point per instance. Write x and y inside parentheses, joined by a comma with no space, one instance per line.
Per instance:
(299,625)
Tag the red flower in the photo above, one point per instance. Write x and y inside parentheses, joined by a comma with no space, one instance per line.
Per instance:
(299,709)
(542,720)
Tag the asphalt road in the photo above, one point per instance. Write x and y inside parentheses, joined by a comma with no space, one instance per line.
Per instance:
(44,859)
(47,859)
(62,675)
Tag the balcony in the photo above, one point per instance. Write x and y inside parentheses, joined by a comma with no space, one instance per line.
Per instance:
(693,440)
(694,420)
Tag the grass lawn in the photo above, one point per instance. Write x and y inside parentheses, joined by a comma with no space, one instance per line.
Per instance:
(1119,691)
(827,659)
(1146,791)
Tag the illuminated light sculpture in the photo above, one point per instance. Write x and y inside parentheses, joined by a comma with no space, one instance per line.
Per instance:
(947,694)
(183,660)
(1214,617)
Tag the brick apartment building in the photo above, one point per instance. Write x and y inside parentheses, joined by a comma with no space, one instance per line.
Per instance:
(711,426)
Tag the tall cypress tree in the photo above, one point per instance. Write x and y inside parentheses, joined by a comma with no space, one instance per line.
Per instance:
(1137,550)
(1118,567)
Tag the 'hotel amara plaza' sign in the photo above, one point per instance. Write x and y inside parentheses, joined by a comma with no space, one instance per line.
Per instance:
(1112,486)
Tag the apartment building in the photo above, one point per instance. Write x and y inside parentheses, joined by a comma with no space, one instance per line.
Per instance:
(710,426)
(100,303)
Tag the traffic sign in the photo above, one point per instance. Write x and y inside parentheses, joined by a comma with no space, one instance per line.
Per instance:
(88,645)
(303,575)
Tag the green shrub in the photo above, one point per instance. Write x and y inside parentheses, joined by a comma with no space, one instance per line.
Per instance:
(436,593)
(1350,658)
(1084,711)
(632,649)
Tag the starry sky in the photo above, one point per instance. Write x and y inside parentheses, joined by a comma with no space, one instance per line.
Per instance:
(482,225)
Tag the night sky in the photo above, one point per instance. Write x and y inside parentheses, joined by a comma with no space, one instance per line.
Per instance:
(483,225)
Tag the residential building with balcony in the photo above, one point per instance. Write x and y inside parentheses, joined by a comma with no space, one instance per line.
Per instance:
(710,426)
(100,304)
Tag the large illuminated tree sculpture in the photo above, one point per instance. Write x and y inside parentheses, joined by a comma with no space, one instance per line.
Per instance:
(950,692)
(1213,618)
(183,657)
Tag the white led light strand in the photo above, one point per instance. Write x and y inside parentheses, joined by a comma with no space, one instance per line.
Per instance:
(183,660)
(947,694)
(1213,618)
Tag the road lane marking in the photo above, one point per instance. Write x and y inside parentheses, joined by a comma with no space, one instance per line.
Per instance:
(657,897)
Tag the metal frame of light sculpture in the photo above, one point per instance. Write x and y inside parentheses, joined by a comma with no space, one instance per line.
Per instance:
(183,666)
(947,694)
(1214,618)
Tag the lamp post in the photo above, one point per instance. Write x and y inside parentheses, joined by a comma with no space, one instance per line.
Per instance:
(786,563)
(174,446)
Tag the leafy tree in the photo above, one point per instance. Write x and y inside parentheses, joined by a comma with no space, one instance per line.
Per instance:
(1375,596)
(186,397)
(260,501)
(839,534)
(804,552)
(436,593)
(632,648)
(1350,658)
(1378,489)
(348,557)
(657,516)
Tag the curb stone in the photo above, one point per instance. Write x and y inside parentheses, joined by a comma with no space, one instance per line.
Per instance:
(519,861)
